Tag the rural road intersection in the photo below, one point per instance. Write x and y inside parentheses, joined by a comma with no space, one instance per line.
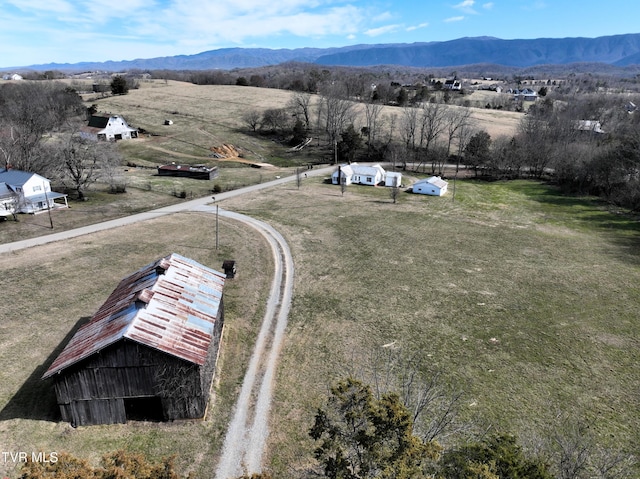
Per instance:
(248,431)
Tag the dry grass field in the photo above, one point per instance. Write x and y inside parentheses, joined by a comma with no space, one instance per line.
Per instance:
(210,115)
(48,290)
(525,300)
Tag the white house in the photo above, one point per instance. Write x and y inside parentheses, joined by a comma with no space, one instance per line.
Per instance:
(434,186)
(108,127)
(343,175)
(452,84)
(593,126)
(8,201)
(393,178)
(358,174)
(368,175)
(12,76)
(31,191)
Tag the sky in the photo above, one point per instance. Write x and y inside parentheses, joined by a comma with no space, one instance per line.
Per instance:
(71,31)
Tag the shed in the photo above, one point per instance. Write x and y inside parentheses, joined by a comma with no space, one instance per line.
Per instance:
(198,172)
(150,350)
(434,186)
(393,178)
(229,267)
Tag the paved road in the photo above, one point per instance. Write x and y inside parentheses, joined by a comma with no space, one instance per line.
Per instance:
(184,206)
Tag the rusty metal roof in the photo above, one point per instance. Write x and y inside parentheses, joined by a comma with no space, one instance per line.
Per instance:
(170,305)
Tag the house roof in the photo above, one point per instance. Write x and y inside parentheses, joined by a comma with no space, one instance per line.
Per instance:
(435,181)
(170,305)
(17,177)
(367,170)
(345,170)
(100,122)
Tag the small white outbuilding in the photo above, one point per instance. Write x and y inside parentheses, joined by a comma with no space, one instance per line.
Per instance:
(434,186)
(393,178)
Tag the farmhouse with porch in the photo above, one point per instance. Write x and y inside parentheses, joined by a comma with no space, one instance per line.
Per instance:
(149,352)
(108,128)
(27,192)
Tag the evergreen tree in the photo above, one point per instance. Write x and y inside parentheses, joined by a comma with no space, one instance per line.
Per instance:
(119,85)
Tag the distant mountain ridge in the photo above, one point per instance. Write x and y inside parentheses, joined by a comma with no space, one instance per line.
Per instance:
(618,50)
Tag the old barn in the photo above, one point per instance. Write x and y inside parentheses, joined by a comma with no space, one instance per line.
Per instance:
(149,352)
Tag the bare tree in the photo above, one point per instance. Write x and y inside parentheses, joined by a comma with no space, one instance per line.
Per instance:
(300,103)
(338,112)
(394,192)
(434,407)
(409,126)
(432,123)
(29,111)
(456,120)
(276,119)
(372,113)
(252,119)
(82,162)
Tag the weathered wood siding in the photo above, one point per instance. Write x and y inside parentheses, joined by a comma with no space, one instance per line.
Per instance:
(93,391)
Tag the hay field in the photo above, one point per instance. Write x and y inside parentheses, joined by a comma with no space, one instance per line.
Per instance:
(209,115)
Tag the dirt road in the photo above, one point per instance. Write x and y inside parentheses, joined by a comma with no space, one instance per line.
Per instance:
(247,433)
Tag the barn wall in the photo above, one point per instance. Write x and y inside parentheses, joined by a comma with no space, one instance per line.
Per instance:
(92,392)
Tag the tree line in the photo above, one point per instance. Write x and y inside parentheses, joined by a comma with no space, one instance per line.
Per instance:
(586,141)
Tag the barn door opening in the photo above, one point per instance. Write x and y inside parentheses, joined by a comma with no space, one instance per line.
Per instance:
(143,409)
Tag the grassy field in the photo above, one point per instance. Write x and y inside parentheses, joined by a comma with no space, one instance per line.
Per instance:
(47,291)
(525,300)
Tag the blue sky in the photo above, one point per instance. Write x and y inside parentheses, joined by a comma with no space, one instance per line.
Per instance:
(71,31)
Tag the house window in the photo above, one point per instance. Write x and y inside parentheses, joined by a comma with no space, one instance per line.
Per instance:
(37,188)
(369,180)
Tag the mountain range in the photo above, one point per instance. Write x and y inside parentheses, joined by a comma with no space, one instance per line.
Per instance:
(617,50)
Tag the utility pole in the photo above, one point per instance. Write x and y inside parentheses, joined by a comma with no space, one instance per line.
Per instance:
(46,198)
(217,214)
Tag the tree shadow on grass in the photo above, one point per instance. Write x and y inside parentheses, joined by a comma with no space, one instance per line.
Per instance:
(36,398)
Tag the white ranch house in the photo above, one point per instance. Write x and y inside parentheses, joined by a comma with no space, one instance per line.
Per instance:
(359,174)
(434,186)
(27,192)
(108,128)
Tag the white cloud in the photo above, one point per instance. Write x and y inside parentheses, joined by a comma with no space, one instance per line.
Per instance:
(453,19)
(417,27)
(239,22)
(488,6)
(466,6)
(374,32)
(38,8)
